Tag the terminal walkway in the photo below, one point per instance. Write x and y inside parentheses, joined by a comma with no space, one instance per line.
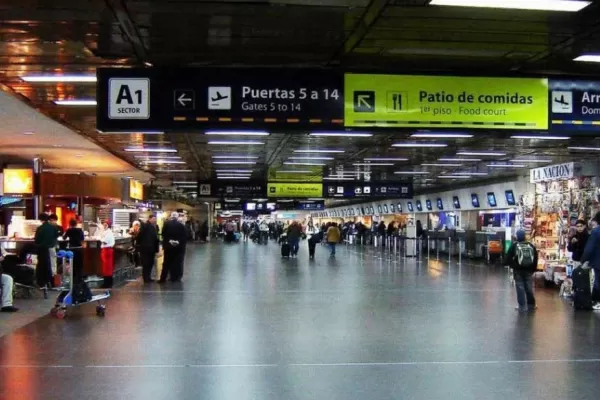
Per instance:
(246,324)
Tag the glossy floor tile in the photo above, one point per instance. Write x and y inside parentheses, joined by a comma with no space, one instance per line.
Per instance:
(246,324)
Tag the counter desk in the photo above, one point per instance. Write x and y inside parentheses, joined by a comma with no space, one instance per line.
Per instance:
(92,261)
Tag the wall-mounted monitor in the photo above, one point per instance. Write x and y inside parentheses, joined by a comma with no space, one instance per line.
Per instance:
(386,209)
(409,206)
(510,198)
(362,210)
(372,210)
(379,209)
(392,208)
(400,207)
(456,202)
(271,206)
(357,211)
(475,200)
(250,206)
(428,204)
(419,205)
(491,198)
(440,204)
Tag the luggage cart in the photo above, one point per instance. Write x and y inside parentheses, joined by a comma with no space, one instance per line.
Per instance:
(66,297)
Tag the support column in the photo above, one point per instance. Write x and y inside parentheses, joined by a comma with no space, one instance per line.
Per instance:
(38,199)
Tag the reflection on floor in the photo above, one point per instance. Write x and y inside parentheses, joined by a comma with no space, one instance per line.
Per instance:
(246,324)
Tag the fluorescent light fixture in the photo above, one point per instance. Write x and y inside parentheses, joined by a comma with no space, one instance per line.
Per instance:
(372,164)
(538,5)
(334,178)
(471,173)
(341,134)
(530,160)
(158,157)
(59,78)
(386,159)
(481,153)
(234,162)
(236,142)
(150,150)
(298,171)
(306,164)
(232,177)
(75,102)
(579,148)
(173,170)
(588,58)
(535,137)
(411,173)
(232,156)
(187,186)
(441,165)
(442,135)
(234,171)
(454,177)
(237,133)
(310,158)
(420,145)
(316,198)
(318,151)
(460,159)
(163,162)
(131,132)
(184,182)
(506,165)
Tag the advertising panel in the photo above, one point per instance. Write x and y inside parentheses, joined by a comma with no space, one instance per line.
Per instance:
(445,102)
(18,182)
(136,190)
(294,190)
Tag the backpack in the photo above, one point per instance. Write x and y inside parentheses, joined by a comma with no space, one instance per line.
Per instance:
(525,255)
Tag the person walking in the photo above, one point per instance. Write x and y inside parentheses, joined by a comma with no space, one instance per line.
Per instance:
(294,232)
(75,237)
(45,240)
(333,237)
(107,254)
(591,256)
(314,237)
(523,258)
(148,246)
(578,241)
(174,238)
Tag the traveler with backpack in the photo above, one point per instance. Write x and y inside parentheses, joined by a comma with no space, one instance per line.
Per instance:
(591,258)
(523,259)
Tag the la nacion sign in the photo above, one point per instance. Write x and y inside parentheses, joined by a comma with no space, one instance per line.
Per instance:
(552,173)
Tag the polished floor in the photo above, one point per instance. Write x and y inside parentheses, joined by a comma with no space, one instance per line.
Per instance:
(246,324)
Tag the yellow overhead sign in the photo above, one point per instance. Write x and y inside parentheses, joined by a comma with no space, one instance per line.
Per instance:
(445,102)
(295,190)
(301,174)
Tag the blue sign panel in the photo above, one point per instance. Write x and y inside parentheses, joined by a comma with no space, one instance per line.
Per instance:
(574,105)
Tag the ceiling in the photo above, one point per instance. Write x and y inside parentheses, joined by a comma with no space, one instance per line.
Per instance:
(401,36)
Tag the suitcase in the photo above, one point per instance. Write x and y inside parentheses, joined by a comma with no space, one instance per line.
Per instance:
(285,250)
(582,289)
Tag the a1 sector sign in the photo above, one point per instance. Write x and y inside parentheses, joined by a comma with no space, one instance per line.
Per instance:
(391,101)
(188,99)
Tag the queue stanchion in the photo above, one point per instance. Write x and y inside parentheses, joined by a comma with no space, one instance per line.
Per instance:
(437,249)
(459,252)
(449,251)
(428,247)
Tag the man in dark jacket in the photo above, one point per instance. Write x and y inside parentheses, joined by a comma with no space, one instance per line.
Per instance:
(578,242)
(45,239)
(591,255)
(147,246)
(523,259)
(174,240)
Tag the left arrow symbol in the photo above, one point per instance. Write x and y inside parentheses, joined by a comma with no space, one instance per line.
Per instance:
(183,100)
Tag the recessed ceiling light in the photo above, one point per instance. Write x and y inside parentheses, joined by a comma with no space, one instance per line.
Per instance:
(460,159)
(129,177)
(318,151)
(163,162)
(232,171)
(506,165)
(372,164)
(301,163)
(441,165)
(341,134)
(386,159)
(310,158)
(530,160)
(232,156)
(150,150)
(595,58)
(75,102)
(57,145)
(454,177)
(234,162)
(28,133)
(335,178)
(148,64)
(411,173)
(184,182)
(471,173)
(158,157)
(233,177)
(480,153)
(536,137)
(237,133)
(236,142)
(59,78)
(580,148)
(426,145)
(78,155)
(539,5)
(173,170)
(442,135)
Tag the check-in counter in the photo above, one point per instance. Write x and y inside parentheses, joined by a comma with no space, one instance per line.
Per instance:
(483,237)
(92,262)
(439,240)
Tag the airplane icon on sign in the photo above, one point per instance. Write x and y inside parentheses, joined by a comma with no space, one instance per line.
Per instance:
(562,101)
(219,97)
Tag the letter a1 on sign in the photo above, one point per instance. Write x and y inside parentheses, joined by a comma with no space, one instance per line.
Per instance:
(129,98)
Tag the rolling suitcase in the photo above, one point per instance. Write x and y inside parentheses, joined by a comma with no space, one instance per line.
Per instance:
(582,289)
(285,250)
